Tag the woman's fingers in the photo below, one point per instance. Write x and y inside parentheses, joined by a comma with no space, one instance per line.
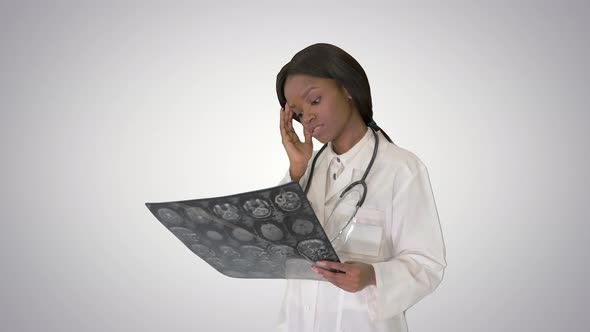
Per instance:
(356,275)
(287,132)
(307,136)
(298,152)
(289,119)
(282,123)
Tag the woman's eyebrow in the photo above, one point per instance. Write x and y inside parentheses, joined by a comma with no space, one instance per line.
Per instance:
(307,91)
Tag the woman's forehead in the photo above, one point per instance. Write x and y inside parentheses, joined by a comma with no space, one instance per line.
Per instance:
(299,85)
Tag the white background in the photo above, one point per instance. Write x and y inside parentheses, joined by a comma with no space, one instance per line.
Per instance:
(107,106)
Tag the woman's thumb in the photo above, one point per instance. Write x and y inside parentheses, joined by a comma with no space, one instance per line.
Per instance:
(307,135)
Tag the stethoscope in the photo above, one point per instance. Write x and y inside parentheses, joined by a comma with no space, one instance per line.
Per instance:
(361,182)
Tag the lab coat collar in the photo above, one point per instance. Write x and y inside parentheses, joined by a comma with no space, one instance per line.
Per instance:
(349,155)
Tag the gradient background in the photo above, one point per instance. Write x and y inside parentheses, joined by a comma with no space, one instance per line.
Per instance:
(107,106)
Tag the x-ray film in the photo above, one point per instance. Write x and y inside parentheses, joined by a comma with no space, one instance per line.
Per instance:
(269,233)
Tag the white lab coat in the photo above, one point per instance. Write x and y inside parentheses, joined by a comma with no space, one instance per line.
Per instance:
(410,258)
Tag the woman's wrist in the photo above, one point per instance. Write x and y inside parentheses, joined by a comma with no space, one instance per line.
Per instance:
(296,175)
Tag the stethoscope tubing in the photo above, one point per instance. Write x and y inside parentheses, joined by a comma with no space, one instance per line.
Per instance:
(350,186)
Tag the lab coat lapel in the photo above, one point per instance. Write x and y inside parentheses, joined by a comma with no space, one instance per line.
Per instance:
(341,182)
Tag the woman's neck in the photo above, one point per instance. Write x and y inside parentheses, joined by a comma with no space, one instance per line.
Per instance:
(349,137)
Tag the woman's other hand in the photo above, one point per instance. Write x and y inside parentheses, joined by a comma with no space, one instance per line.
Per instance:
(355,278)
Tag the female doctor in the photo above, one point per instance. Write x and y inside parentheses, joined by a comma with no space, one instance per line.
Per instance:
(390,244)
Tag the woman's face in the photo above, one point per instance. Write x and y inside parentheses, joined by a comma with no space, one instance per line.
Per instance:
(324,108)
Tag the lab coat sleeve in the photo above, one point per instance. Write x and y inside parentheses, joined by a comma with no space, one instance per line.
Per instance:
(282,319)
(418,249)
(303,180)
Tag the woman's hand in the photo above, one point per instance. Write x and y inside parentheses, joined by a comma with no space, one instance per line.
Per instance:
(298,152)
(355,278)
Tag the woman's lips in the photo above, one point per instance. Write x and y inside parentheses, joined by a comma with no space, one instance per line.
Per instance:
(315,131)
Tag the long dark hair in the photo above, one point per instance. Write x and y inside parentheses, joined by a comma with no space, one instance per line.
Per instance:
(329,61)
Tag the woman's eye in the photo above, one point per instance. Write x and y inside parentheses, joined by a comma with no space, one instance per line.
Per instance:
(316,101)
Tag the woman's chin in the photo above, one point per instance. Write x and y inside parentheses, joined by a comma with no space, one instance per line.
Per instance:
(320,135)
(322,139)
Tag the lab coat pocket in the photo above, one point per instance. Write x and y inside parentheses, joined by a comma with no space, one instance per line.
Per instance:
(366,233)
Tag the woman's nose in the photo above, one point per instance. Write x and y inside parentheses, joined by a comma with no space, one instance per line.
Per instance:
(307,117)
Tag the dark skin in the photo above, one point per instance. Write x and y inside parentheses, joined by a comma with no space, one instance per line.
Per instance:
(356,276)
(327,112)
